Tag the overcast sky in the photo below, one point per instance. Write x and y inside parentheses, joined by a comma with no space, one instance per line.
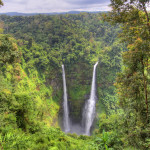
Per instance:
(44,6)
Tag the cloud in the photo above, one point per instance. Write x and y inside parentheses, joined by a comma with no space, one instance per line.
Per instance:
(86,2)
(41,6)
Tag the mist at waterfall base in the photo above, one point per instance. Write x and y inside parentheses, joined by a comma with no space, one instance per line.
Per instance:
(88,115)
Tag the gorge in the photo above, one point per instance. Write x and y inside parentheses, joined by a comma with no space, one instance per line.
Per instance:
(88,110)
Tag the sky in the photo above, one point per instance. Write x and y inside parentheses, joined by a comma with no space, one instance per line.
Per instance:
(47,6)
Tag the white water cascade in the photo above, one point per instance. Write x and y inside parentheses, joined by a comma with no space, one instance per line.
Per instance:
(66,120)
(89,109)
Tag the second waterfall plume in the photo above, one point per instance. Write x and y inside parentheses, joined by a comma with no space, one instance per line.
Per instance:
(66,120)
(89,109)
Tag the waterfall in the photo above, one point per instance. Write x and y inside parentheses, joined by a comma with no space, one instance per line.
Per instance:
(66,120)
(89,109)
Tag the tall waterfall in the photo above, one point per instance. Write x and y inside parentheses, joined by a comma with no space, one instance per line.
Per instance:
(89,109)
(66,120)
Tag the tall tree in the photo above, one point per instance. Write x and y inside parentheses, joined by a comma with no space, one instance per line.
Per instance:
(133,83)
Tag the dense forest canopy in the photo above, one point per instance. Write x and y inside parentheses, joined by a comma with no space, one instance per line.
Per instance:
(32,50)
(133,83)
(32,69)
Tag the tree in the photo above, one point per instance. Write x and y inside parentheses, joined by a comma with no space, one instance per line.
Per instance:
(1,3)
(8,49)
(133,83)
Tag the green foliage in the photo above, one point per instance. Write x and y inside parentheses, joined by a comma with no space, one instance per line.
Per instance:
(8,49)
(113,126)
(103,142)
(77,41)
(31,87)
(133,82)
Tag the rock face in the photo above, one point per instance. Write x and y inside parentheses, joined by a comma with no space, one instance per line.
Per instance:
(79,81)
